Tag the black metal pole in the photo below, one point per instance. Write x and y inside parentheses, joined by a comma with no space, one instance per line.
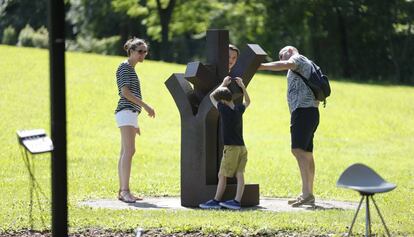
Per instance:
(56,17)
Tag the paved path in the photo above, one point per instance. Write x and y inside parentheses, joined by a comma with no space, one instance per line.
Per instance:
(173,203)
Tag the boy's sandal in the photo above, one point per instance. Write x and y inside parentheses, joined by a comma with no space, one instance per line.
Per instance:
(309,200)
(126,196)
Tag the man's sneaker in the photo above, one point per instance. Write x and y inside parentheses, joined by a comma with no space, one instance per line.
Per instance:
(293,200)
(309,200)
(212,204)
(231,204)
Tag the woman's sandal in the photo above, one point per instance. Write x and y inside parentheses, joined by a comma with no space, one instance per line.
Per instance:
(136,197)
(126,196)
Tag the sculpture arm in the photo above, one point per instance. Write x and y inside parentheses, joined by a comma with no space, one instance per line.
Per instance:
(183,94)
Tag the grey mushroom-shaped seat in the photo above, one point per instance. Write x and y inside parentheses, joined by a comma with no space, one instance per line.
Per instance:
(367,182)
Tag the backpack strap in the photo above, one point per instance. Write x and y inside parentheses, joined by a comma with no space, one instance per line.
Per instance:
(313,67)
(306,80)
(297,73)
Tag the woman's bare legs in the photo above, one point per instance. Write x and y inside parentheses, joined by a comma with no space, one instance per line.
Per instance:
(128,134)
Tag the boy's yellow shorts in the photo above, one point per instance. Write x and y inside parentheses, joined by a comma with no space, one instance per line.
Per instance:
(234,160)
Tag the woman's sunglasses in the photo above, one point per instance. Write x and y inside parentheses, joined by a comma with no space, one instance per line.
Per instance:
(142,51)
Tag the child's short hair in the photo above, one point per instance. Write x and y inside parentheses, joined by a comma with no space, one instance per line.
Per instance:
(234,48)
(223,93)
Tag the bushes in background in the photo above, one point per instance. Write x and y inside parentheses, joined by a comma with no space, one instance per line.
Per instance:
(9,36)
(109,46)
(28,37)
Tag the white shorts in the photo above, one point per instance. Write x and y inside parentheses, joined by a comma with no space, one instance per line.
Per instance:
(126,118)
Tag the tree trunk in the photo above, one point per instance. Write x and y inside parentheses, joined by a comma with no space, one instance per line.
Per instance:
(165,19)
(346,65)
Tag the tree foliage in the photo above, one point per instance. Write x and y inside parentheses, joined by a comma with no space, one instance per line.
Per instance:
(365,40)
(19,13)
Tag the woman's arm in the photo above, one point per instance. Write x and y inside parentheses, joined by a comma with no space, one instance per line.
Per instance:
(125,92)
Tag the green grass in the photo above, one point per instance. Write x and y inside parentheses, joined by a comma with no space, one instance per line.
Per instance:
(370,124)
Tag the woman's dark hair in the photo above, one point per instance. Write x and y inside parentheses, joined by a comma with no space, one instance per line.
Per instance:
(133,44)
(222,93)
(232,47)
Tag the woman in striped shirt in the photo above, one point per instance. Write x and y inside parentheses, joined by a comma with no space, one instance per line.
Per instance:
(129,106)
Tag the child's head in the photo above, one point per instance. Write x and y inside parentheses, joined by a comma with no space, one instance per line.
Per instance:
(223,93)
(233,55)
(286,52)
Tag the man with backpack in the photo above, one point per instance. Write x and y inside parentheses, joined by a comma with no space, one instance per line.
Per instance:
(303,107)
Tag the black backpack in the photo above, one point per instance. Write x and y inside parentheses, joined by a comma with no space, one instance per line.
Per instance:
(318,83)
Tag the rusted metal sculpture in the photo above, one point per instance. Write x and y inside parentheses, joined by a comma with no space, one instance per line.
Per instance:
(201,143)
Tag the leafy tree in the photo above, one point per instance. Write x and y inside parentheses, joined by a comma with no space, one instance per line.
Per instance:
(95,18)
(245,20)
(169,22)
(132,18)
(362,39)
(359,39)
(19,13)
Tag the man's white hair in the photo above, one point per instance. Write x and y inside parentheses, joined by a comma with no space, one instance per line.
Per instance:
(286,48)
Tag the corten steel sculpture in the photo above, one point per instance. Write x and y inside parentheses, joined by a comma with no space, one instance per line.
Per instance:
(201,143)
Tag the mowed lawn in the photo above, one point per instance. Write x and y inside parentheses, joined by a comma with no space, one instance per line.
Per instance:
(370,124)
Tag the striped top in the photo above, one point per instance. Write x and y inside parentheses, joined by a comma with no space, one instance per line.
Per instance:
(299,95)
(126,76)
